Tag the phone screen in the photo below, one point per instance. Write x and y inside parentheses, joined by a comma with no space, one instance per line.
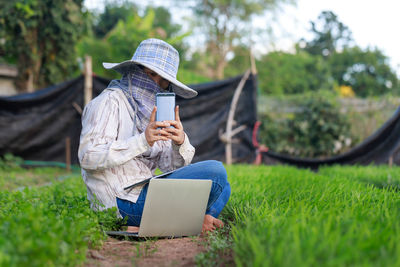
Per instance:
(165,106)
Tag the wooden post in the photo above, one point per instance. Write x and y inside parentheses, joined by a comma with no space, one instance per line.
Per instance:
(253,63)
(391,158)
(229,123)
(390,161)
(68,153)
(88,80)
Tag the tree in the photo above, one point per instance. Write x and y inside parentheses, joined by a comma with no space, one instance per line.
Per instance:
(240,62)
(330,35)
(225,24)
(40,37)
(166,29)
(113,12)
(367,72)
(163,21)
(285,73)
(119,43)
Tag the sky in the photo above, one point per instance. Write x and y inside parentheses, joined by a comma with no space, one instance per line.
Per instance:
(373,23)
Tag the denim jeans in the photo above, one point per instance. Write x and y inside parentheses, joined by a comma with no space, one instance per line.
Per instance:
(204,170)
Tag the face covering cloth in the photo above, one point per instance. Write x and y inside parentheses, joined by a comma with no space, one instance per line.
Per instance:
(140,91)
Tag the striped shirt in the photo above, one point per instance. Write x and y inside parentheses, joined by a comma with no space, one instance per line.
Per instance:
(114,154)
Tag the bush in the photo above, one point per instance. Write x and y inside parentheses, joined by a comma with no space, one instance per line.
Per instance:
(318,130)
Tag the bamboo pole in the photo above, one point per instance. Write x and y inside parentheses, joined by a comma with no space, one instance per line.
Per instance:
(229,123)
(77,107)
(68,153)
(88,87)
(253,63)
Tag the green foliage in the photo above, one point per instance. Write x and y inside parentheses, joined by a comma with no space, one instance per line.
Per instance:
(9,162)
(239,63)
(327,61)
(121,41)
(51,225)
(13,176)
(113,12)
(376,112)
(317,130)
(225,24)
(330,35)
(276,216)
(284,73)
(40,36)
(191,77)
(284,216)
(218,249)
(366,71)
(163,22)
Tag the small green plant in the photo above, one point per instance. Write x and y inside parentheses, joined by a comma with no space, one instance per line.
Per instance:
(10,162)
(50,225)
(146,248)
(218,249)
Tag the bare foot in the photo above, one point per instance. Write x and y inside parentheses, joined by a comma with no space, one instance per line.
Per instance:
(218,223)
(210,224)
(133,229)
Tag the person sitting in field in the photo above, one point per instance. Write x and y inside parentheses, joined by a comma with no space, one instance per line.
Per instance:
(122,144)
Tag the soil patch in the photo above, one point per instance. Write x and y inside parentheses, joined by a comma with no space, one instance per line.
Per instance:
(161,252)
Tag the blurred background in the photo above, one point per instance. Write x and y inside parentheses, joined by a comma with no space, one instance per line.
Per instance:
(327,71)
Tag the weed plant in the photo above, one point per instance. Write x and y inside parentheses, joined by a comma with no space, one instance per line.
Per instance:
(218,249)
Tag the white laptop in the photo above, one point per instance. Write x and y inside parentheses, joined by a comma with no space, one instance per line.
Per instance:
(173,208)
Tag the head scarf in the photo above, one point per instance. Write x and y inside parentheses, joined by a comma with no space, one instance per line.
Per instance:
(140,91)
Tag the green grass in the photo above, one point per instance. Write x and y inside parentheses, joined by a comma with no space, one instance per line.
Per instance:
(49,225)
(277,216)
(340,216)
(18,178)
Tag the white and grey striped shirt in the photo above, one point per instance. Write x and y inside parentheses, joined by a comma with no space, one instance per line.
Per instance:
(113,154)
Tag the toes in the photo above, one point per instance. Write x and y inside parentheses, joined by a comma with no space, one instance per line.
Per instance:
(211,224)
(218,223)
(133,229)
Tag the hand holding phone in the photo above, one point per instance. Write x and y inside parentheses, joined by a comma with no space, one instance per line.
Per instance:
(176,133)
(155,129)
(165,123)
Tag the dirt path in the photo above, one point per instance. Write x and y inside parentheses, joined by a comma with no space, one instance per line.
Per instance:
(162,252)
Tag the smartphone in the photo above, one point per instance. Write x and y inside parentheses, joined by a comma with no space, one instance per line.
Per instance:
(165,103)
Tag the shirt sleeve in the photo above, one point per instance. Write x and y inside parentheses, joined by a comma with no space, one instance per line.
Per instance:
(99,147)
(173,156)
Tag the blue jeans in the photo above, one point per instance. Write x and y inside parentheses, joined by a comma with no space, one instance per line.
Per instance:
(204,170)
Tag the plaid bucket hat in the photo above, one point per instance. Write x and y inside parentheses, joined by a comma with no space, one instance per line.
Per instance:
(161,58)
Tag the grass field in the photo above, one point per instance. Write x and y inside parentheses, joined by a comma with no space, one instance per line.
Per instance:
(277,216)
(339,216)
